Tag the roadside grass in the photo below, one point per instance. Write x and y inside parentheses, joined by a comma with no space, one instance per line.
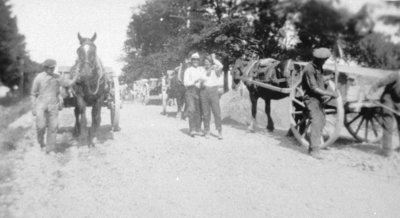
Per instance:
(10,110)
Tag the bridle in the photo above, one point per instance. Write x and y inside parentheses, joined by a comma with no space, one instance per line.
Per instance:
(92,66)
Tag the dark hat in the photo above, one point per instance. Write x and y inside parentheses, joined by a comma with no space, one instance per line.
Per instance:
(49,63)
(321,53)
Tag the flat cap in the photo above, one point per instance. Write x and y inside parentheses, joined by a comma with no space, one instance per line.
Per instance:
(49,63)
(195,56)
(321,53)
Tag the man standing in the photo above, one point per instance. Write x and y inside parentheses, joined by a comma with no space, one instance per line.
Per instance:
(46,101)
(192,79)
(391,99)
(315,93)
(210,94)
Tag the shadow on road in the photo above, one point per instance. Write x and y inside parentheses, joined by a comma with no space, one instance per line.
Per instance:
(347,142)
(104,134)
(234,124)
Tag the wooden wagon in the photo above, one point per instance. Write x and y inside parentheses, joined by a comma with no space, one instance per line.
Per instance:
(359,111)
(112,100)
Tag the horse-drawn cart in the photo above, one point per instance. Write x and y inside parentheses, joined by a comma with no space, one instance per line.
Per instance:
(358,111)
(112,101)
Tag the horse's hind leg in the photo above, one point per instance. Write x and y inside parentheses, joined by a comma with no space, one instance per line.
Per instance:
(77,129)
(270,125)
(253,123)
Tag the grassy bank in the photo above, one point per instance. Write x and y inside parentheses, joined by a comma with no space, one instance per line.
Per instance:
(10,110)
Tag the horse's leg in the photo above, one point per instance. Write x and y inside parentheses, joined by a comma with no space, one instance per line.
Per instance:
(253,100)
(77,130)
(96,120)
(270,125)
(82,127)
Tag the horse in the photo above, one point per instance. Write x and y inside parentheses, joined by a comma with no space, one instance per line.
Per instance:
(91,89)
(269,71)
(176,89)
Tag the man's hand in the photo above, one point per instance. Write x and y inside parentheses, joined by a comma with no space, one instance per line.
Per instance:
(373,89)
(334,94)
(60,103)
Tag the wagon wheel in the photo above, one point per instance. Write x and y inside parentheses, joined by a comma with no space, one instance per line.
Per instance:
(300,122)
(365,124)
(115,106)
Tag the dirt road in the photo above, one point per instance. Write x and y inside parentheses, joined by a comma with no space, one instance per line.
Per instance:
(153,169)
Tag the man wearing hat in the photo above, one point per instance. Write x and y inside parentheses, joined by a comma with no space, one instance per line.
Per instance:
(46,102)
(192,79)
(391,99)
(313,83)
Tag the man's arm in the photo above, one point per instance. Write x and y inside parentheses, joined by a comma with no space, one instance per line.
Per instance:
(66,82)
(387,80)
(312,83)
(217,66)
(188,79)
(34,94)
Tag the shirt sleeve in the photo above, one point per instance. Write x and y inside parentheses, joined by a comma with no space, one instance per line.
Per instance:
(388,80)
(310,78)
(188,78)
(35,87)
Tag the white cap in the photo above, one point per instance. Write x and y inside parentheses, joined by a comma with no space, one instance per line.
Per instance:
(195,56)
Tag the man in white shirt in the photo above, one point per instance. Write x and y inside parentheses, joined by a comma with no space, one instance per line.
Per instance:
(209,94)
(192,80)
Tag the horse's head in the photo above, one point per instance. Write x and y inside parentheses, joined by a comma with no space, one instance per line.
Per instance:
(87,56)
(240,69)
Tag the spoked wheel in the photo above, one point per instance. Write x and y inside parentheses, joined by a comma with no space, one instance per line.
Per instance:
(300,121)
(364,124)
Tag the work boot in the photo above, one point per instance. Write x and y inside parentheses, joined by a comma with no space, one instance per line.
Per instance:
(316,154)
(219,135)
(206,134)
(191,133)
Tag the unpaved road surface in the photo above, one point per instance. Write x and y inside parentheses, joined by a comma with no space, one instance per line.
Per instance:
(151,168)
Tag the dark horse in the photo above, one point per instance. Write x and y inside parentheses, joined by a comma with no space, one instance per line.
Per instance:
(91,88)
(176,89)
(269,71)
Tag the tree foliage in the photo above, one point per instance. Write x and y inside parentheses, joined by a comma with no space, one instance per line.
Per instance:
(163,33)
(13,56)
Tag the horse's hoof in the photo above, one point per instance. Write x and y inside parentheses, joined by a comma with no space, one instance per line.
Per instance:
(270,129)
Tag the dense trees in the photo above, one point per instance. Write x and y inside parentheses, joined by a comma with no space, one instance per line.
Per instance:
(163,32)
(13,56)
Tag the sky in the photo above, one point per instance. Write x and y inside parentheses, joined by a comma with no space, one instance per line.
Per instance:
(51,27)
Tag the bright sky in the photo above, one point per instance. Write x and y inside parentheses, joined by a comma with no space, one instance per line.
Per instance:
(51,27)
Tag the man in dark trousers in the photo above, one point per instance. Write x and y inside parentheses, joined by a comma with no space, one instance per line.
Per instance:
(314,94)
(391,100)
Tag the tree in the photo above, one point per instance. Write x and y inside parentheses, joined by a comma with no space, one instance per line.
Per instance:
(12,45)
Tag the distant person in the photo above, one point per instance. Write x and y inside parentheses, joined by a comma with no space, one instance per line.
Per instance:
(192,79)
(391,99)
(210,94)
(47,101)
(313,83)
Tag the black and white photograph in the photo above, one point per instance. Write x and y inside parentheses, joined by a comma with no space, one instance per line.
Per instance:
(199,108)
